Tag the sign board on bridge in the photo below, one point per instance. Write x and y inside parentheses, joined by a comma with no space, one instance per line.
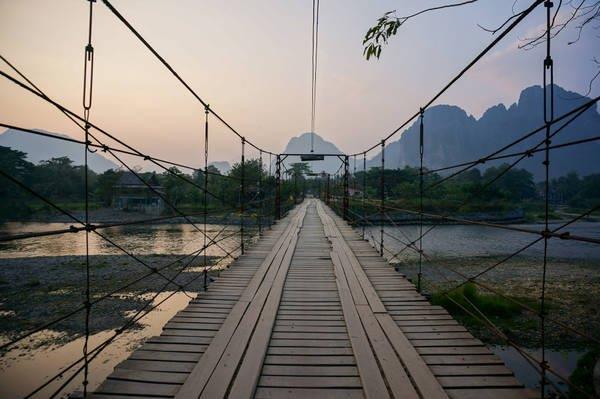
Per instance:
(312,157)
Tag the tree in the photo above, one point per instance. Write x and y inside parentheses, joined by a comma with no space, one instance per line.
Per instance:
(105,184)
(14,199)
(58,179)
(578,14)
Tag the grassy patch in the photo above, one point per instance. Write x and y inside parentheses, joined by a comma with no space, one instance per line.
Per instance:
(464,302)
(467,295)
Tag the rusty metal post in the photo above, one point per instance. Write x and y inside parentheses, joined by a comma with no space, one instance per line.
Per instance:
(242,195)
(278,188)
(259,212)
(364,193)
(382,199)
(327,192)
(345,202)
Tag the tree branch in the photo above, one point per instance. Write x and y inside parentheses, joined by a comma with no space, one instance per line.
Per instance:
(387,26)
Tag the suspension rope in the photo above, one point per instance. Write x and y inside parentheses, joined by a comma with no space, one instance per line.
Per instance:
(314,55)
(458,76)
(364,192)
(548,104)
(88,84)
(206,112)
(104,132)
(421,152)
(172,70)
(382,198)
(259,193)
(119,289)
(242,194)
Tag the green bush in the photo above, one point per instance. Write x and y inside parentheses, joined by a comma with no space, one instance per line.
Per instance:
(462,299)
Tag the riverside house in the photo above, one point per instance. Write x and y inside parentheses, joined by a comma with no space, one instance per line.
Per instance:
(131,194)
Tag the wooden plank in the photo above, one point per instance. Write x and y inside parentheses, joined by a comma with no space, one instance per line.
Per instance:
(372,380)
(424,379)
(309,382)
(396,376)
(204,369)
(249,372)
(300,393)
(223,372)
(397,353)
(330,371)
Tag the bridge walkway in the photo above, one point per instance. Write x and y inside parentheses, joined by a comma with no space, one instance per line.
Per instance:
(312,311)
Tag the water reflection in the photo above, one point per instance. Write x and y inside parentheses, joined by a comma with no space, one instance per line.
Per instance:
(157,239)
(23,370)
(562,362)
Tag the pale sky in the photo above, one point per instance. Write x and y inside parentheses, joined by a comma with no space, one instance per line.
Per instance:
(251,61)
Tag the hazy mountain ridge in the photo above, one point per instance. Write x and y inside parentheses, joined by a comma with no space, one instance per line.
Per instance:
(453,136)
(40,148)
(301,145)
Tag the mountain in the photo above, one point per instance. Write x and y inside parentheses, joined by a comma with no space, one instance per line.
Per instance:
(301,145)
(223,166)
(453,136)
(41,148)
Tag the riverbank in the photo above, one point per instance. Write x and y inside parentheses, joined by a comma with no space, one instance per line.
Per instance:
(110,216)
(572,295)
(35,291)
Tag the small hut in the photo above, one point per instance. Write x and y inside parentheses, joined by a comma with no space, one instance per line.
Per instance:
(131,194)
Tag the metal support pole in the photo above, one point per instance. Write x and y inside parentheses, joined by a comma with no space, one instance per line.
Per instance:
(345,202)
(205,259)
(242,195)
(260,195)
(364,193)
(382,198)
(327,192)
(421,151)
(295,187)
(278,188)
(354,174)
(548,71)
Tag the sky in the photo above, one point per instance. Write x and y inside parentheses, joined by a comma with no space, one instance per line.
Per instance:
(251,60)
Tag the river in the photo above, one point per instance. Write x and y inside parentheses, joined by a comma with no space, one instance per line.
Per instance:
(155,239)
(455,241)
(175,239)
(444,241)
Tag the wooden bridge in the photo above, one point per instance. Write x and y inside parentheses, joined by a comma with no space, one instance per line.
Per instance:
(312,311)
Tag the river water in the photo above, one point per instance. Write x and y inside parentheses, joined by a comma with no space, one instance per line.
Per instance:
(168,239)
(21,371)
(156,239)
(455,241)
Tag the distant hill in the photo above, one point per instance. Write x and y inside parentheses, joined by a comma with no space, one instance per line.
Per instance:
(40,148)
(223,166)
(452,136)
(301,145)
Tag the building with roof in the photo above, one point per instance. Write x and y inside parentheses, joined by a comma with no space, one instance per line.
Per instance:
(131,194)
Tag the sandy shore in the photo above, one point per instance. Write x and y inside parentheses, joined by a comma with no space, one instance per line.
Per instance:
(34,291)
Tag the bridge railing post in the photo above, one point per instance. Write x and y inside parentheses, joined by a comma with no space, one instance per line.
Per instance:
(364,194)
(345,202)
(259,211)
(242,195)
(421,151)
(327,190)
(382,198)
(277,209)
(205,196)
(548,104)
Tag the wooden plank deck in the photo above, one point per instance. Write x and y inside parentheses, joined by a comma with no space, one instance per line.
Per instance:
(312,311)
